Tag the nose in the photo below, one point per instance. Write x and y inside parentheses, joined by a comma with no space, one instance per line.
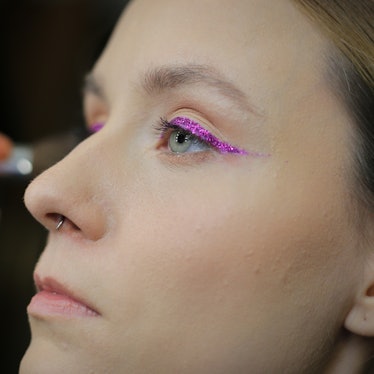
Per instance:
(70,189)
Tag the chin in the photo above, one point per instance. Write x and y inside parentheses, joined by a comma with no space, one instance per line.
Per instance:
(43,357)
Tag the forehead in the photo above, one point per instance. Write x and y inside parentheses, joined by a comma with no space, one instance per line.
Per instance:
(254,43)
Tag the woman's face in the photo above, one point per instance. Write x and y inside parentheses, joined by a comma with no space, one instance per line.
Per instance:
(232,254)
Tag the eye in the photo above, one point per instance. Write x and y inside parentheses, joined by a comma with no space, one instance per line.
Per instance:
(184,135)
(182,141)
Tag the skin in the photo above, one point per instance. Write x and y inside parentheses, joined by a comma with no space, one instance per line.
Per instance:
(204,262)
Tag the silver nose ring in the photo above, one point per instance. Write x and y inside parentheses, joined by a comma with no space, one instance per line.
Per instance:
(60,223)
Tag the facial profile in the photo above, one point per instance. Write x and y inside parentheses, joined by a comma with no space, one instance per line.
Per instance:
(207,224)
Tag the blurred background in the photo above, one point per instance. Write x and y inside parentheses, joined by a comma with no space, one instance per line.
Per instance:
(47,47)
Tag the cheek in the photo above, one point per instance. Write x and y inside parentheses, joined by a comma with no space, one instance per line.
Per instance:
(242,262)
(188,244)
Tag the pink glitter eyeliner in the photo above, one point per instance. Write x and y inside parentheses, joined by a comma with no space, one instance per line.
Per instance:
(95,127)
(197,130)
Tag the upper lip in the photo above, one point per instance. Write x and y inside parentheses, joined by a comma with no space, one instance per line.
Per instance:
(50,284)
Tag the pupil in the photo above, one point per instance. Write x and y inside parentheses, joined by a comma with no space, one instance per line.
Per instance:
(181,137)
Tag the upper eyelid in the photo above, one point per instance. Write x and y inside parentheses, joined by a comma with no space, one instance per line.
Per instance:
(203,134)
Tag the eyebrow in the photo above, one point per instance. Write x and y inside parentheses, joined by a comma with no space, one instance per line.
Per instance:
(163,78)
(168,77)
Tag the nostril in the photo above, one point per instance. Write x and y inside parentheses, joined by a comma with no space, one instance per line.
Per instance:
(54,217)
(60,220)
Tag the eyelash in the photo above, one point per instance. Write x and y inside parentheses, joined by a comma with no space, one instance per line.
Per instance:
(195,130)
(192,130)
(168,131)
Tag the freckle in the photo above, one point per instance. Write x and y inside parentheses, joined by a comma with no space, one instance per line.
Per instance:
(198,229)
(249,254)
(257,270)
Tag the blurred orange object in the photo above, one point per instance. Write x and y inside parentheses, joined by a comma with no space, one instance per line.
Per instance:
(6,146)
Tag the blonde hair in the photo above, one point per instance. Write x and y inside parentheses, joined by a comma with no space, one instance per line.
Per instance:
(348,25)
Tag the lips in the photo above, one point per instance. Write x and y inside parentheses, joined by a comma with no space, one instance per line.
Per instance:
(53,299)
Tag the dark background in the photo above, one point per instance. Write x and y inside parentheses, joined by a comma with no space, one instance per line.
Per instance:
(46,49)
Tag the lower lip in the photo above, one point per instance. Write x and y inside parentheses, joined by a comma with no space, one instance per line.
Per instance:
(47,304)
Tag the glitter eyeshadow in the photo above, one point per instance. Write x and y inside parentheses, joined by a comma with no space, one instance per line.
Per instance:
(195,129)
(95,127)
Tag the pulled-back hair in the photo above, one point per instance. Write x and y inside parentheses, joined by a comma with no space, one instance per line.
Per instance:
(349,27)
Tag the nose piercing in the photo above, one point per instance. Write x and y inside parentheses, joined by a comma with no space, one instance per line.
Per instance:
(60,223)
